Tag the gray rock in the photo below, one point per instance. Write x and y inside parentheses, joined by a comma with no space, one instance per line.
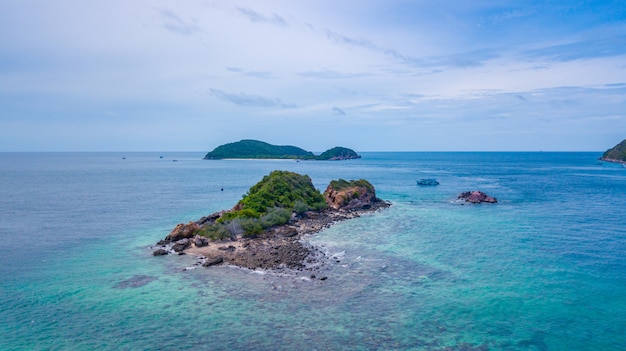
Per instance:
(200,241)
(229,248)
(213,262)
(159,252)
(181,245)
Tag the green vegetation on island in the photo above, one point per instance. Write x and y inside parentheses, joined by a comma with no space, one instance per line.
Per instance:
(338,153)
(264,228)
(255,149)
(616,154)
(268,203)
(342,184)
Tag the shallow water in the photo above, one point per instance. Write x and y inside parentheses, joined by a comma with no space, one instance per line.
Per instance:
(544,269)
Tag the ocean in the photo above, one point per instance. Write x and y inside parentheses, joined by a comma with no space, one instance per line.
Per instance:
(543,269)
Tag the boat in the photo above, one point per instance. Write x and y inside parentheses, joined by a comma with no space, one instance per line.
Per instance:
(427,181)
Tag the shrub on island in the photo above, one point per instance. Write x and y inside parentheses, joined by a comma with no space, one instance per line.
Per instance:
(267,204)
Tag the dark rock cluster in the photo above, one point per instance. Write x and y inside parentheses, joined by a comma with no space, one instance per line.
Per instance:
(276,248)
(476,197)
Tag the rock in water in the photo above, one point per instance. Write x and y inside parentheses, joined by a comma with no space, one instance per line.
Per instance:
(182,231)
(181,245)
(349,195)
(159,252)
(476,197)
(213,262)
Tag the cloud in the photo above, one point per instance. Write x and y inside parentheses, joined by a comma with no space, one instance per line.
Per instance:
(254,74)
(603,47)
(257,17)
(464,68)
(462,60)
(330,74)
(469,59)
(243,99)
(505,16)
(175,24)
(339,111)
(366,44)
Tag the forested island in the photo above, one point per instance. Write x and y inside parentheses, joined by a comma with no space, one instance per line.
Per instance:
(264,228)
(616,153)
(254,149)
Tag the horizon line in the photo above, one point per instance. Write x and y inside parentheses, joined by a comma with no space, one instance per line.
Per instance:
(369,151)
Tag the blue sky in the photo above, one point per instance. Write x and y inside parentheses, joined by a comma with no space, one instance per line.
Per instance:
(387,75)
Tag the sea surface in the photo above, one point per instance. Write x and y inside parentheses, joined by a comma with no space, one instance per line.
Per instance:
(543,269)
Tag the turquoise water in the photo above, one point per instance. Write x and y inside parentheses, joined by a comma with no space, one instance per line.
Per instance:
(544,269)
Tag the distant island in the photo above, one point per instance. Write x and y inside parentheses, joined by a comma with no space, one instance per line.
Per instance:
(255,149)
(616,154)
(263,229)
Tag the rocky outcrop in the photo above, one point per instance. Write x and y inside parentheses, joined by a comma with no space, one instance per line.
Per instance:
(181,245)
(476,197)
(344,195)
(160,252)
(213,261)
(253,237)
(182,231)
(276,248)
(616,153)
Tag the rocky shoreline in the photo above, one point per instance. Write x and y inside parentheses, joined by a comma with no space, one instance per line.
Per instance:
(612,160)
(279,249)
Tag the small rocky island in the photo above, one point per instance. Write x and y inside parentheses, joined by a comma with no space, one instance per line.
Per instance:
(263,230)
(616,153)
(476,197)
(254,149)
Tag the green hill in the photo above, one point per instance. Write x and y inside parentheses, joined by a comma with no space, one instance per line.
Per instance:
(282,189)
(338,153)
(268,203)
(258,149)
(616,154)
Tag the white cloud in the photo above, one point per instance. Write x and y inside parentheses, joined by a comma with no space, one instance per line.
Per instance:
(456,69)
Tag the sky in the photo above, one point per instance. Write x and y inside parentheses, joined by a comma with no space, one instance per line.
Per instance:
(392,75)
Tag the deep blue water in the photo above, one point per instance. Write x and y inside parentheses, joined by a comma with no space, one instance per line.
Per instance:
(544,269)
